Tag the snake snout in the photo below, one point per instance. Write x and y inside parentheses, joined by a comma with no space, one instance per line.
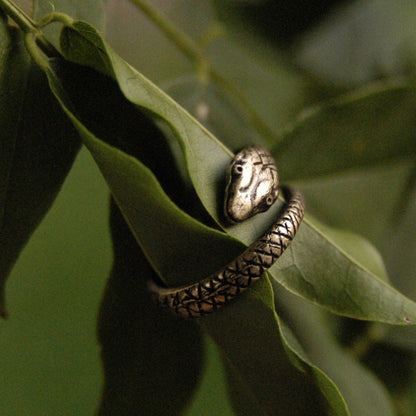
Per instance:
(238,211)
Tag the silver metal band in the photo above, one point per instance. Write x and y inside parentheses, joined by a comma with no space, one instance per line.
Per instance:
(219,288)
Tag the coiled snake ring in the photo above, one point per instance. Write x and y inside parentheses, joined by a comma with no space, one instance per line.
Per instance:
(252,187)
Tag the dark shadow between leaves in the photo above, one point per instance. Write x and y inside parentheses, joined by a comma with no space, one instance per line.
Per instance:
(100,105)
(152,360)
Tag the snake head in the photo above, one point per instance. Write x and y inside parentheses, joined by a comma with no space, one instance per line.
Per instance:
(252,184)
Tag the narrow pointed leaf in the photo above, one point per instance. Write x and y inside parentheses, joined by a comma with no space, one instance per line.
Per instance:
(182,249)
(38,146)
(363,393)
(151,360)
(261,374)
(156,346)
(362,129)
(316,267)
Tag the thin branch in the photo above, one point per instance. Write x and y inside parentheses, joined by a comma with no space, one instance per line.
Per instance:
(204,70)
(28,25)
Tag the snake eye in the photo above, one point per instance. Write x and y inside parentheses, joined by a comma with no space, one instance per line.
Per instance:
(266,203)
(237,169)
(269,201)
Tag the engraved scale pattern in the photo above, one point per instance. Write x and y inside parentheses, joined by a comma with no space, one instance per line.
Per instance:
(216,290)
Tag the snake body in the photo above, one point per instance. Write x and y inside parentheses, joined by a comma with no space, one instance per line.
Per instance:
(252,187)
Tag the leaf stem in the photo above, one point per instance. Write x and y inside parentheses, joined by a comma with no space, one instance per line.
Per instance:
(55,17)
(28,25)
(204,70)
(33,49)
(18,15)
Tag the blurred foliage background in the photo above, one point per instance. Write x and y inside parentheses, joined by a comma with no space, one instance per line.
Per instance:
(308,51)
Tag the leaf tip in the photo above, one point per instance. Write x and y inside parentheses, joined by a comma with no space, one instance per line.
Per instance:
(3,311)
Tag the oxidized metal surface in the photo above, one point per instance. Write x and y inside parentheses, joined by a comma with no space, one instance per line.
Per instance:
(252,184)
(252,187)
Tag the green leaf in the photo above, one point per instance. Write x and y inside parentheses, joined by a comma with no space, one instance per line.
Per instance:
(140,197)
(363,392)
(315,266)
(38,146)
(11,59)
(339,281)
(181,248)
(376,198)
(144,376)
(91,11)
(126,188)
(261,374)
(230,50)
(362,129)
(151,360)
(385,46)
(361,174)
(329,389)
